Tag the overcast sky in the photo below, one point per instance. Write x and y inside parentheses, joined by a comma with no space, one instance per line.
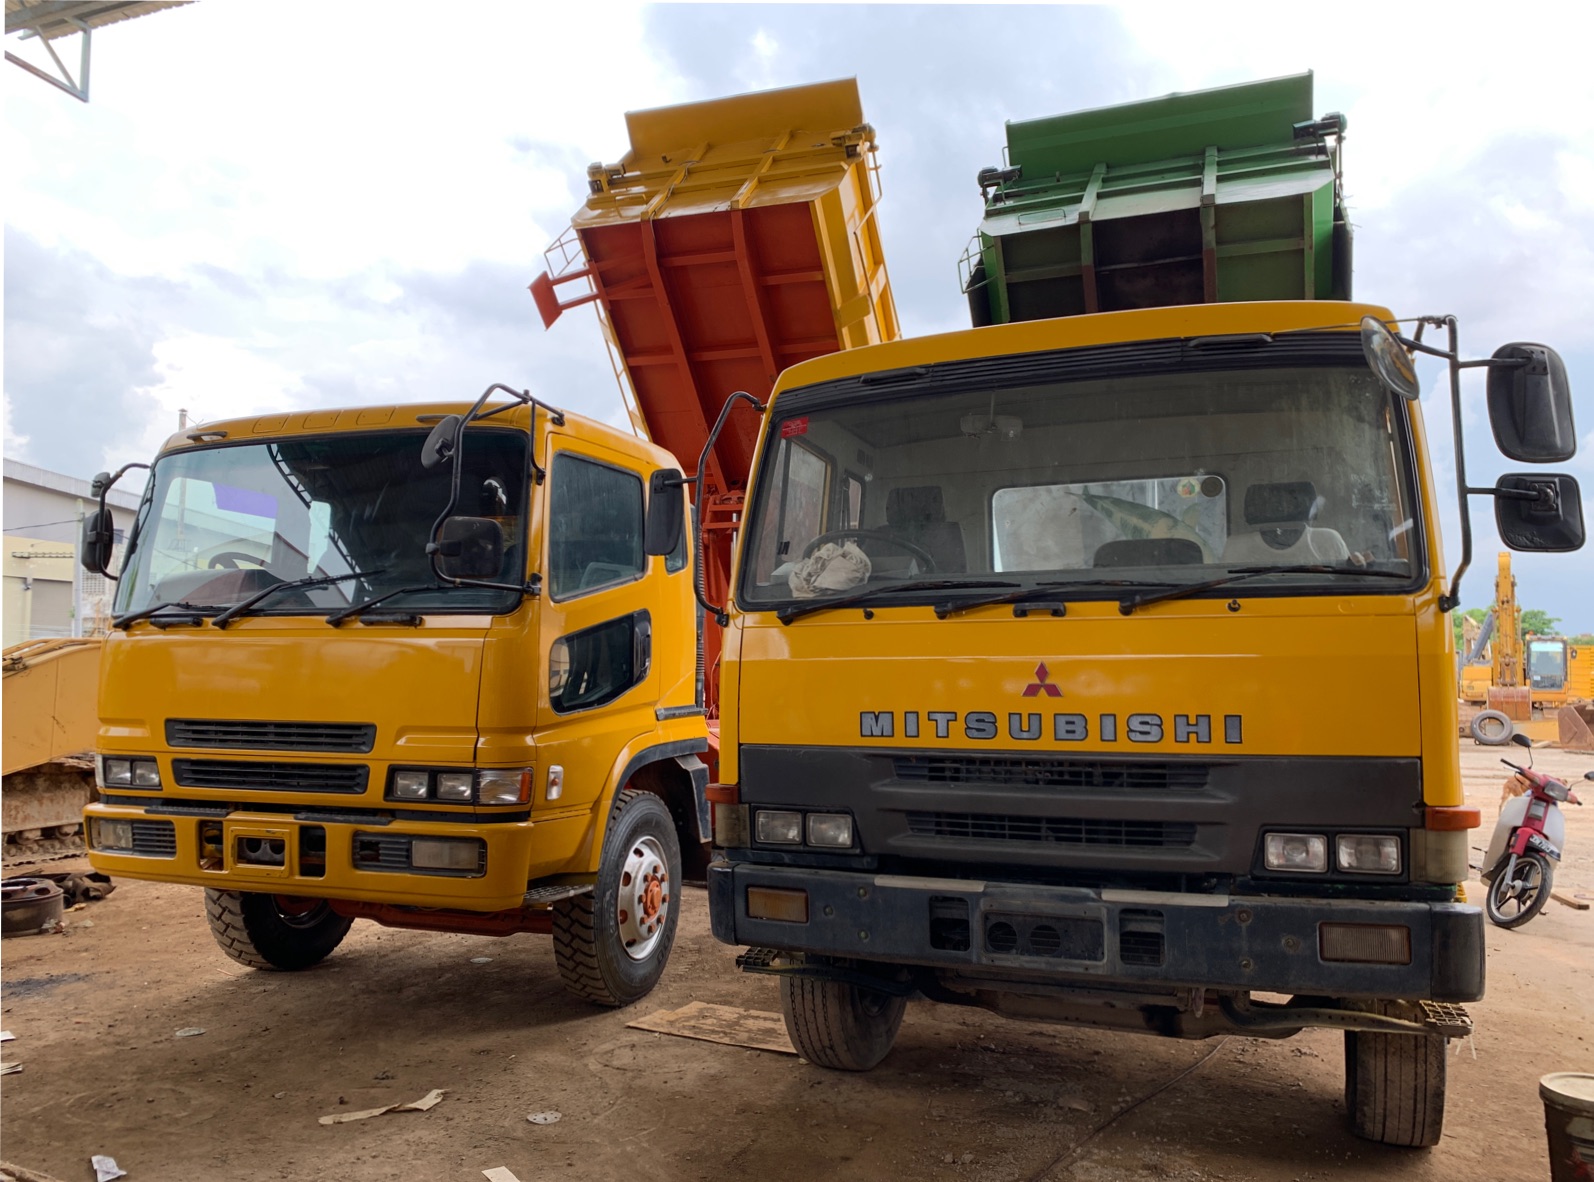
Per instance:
(290,204)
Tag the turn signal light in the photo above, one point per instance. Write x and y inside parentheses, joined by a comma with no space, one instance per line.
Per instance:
(1364,943)
(787,906)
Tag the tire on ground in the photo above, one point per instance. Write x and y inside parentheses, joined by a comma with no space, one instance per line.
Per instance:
(840,1025)
(1491,728)
(1395,1084)
(591,932)
(264,933)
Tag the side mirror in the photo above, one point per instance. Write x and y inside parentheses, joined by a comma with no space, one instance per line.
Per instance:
(1521,740)
(99,536)
(439,445)
(1539,511)
(1530,405)
(666,512)
(469,548)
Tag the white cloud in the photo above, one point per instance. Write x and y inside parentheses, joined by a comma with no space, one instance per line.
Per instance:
(16,445)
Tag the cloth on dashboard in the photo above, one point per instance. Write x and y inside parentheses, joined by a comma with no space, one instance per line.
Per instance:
(832,567)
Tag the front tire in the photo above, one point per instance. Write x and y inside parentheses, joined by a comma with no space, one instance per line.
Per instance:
(274,931)
(611,946)
(1517,897)
(840,1025)
(1395,1084)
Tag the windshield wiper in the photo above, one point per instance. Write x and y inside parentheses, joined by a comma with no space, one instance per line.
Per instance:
(1239,573)
(193,609)
(238,609)
(1036,591)
(787,614)
(355,610)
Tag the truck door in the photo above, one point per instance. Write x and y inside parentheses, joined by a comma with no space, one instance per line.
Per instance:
(600,605)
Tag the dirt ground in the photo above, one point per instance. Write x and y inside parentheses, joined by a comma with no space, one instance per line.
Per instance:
(965,1095)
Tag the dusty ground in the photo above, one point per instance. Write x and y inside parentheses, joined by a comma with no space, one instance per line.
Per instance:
(964,1096)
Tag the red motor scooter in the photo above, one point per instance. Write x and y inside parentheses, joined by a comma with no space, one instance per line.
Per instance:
(1527,838)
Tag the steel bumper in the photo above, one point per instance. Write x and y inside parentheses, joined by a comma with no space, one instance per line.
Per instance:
(1156,939)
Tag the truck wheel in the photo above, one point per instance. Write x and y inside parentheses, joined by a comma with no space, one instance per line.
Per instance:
(274,931)
(836,1024)
(1395,1084)
(1491,728)
(611,945)
(1516,898)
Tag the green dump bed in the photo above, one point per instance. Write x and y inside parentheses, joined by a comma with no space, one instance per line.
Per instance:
(1218,195)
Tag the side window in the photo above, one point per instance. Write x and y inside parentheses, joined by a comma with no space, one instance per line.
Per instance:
(594,526)
(596,665)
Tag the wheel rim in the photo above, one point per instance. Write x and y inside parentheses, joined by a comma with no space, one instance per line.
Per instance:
(299,913)
(643,905)
(1514,896)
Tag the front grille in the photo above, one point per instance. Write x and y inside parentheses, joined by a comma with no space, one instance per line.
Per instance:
(272,777)
(381,851)
(353,737)
(1097,775)
(155,839)
(1053,830)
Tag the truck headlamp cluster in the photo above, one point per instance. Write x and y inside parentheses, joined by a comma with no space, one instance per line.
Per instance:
(452,786)
(1354,853)
(827,831)
(115,772)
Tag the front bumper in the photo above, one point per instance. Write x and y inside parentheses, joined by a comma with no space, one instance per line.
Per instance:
(1079,935)
(172,852)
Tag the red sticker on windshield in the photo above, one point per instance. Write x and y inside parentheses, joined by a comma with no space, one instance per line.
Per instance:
(794,427)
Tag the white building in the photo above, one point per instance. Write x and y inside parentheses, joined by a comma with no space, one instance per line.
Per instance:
(46,592)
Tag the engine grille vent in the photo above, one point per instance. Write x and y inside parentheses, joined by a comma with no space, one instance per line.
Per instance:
(1052,830)
(155,839)
(1050,773)
(271,777)
(353,737)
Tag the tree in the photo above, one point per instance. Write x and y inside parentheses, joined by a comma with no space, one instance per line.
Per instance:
(1472,613)
(1540,623)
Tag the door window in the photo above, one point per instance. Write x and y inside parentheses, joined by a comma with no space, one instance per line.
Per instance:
(595,526)
(596,665)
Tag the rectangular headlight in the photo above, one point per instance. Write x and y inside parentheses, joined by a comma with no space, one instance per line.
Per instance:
(112,835)
(146,773)
(445,853)
(454,785)
(1301,853)
(114,772)
(833,830)
(1368,853)
(412,785)
(775,827)
(508,785)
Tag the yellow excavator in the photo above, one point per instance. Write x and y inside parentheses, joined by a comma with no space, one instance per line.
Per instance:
(49,731)
(1542,686)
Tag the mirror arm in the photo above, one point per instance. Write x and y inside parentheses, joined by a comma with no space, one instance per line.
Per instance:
(721,617)
(1450,601)
(453,454)
(101,488)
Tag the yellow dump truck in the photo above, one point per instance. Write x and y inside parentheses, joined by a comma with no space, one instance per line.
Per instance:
(1094,665)
(414,664)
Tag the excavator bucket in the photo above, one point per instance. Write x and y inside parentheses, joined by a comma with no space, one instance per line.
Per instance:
(1577,726)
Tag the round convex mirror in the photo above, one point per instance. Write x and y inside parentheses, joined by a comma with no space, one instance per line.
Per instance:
(1388,358)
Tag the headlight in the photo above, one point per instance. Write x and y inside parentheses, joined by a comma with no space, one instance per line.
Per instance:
(1368,853)
(114,772)
(833,830)
(778,828)
(506,786)
(111,835)
(454,786)
(411,785)
(1300,853)
(146,773)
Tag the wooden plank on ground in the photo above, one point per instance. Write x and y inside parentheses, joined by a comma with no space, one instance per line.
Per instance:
(758,1029)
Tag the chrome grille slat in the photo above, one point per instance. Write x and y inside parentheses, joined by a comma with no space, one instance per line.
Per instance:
(270,776)
(248,735)
(1079,831)
(1051,773)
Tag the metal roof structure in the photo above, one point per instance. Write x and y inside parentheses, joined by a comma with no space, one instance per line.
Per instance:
(48,20)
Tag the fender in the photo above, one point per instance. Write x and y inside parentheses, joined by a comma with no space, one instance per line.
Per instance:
(684,753)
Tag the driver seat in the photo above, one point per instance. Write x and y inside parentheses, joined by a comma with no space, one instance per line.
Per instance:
(917,516)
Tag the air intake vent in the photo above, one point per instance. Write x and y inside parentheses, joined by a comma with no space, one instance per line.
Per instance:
(1053,830)
(1094,775)
(1049,937)
(155,839)
(270,777)
(1140,937)
(352,737)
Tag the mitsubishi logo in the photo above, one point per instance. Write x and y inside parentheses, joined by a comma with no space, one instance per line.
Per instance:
(1040,687)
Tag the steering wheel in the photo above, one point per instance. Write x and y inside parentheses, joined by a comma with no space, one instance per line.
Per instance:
(874,535)
(228,560)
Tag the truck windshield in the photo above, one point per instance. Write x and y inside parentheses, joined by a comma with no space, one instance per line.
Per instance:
(220,524)
(1170,479)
